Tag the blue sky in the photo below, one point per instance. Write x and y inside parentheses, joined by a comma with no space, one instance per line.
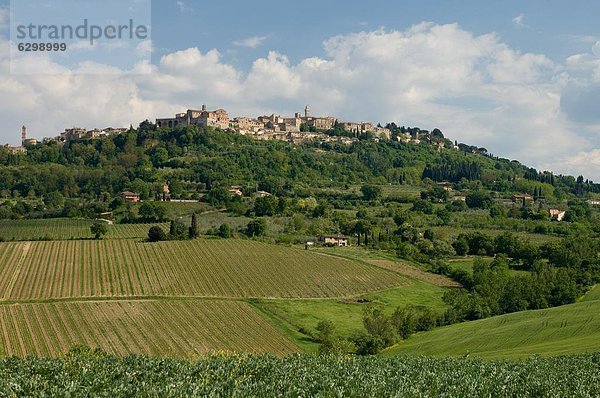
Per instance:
(521,78)
(297,28)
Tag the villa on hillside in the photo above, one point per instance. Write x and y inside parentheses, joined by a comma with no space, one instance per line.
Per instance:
(333,240)
(522,197)
(130,197)
(557,215)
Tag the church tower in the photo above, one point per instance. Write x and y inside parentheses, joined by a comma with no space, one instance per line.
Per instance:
(307,111)
(23,135)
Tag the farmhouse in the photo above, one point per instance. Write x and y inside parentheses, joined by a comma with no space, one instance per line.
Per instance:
(236,192)
(557,215)
(131,197)
(522,197)
(331,240)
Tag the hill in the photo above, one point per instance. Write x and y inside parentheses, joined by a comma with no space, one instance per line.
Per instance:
(568,329)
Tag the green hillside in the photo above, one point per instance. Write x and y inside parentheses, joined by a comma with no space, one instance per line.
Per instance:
(592,294)
(568,329)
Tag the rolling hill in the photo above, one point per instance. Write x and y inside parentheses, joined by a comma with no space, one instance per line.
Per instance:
(569,329)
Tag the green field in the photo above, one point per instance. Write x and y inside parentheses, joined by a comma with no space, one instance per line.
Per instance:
(167,328)
(67,229)
(592,294)
(347,314)
(83,373)
(568,329)
(453,232)
(466,264)
(200,268)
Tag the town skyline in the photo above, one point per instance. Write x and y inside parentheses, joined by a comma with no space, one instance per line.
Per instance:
(518,78)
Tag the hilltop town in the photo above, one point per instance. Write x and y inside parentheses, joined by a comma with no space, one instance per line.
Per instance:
(297,129)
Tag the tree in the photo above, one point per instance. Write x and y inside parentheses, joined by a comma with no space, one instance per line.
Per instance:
(193,232)
(325,330)
(177,230)
(377,324)
(218,196)
(479,200)
(224,231)
(461,245)
(265,206)
(423,206)
(151,211)
(156,234)
(404,319)
(99,229)
(257,228)
(371,192)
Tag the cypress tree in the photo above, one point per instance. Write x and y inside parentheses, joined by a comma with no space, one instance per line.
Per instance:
(194,227)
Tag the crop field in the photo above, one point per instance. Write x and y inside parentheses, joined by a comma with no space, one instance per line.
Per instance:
(173,328)
(414,272)
(83,373)
(132,231)
(200,268)
(569,329)
(66,228)
(53,228)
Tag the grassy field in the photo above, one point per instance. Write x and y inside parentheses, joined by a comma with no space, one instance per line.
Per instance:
(592,294)
(200,268)
(422,289)
(347,314)
(453,232)
(168,328)
(466,265)
(569,329)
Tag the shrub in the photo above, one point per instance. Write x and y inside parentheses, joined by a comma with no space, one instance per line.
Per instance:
(256,228)
(224,231)
(156,234)
(99,229)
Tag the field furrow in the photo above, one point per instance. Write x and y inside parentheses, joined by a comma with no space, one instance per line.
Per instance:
(200,268)
(181,329)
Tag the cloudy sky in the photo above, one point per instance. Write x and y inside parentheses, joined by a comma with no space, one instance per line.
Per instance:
(519,78)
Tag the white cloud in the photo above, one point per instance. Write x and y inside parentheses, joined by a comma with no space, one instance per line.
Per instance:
(251,42)
(476,89)
(596,48)
(144,49)
(519,21)
(184,7)
(583,163)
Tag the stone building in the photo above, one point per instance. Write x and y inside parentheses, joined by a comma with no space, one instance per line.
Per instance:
(201,118)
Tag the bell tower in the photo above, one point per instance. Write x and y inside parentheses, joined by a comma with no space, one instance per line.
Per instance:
(307,111)
(23,135)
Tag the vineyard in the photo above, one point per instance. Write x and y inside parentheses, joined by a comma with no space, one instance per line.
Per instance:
(167,328)
(87,373)
(201,268)
(568,329)
(66,228)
